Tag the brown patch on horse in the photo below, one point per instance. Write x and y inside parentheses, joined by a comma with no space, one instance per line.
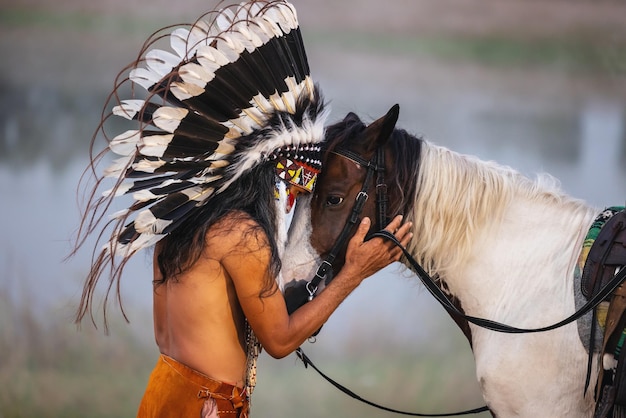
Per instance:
(460,322)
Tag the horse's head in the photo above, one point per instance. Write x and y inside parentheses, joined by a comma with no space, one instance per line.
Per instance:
(351,149)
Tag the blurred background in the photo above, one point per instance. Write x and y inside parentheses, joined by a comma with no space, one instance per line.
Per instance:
(539,85)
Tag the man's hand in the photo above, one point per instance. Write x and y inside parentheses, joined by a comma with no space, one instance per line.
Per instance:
(364,258)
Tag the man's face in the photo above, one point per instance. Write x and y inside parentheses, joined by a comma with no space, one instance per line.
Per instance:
(292,193)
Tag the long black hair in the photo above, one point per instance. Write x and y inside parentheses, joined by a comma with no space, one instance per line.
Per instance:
(253,195)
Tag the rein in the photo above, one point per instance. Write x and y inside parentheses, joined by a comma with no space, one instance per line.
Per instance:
(377,163)
(493,325)
(307,362)
(430,283)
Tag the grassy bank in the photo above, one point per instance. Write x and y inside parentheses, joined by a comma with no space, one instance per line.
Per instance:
(49,369)
(595,53)
(564,55)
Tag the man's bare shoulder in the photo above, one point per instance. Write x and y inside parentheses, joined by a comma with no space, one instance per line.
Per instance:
(236,232)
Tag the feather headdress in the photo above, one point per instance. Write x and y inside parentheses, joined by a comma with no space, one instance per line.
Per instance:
(233,92)
(225,94)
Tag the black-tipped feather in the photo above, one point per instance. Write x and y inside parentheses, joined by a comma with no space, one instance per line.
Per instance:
(253,104)
(198,127)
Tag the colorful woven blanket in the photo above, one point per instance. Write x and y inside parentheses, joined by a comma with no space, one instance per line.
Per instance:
(596,226)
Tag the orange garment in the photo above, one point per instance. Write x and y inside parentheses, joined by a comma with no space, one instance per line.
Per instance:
(175,390)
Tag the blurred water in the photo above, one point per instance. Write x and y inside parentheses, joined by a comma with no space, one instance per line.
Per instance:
(568,124)
(583,144)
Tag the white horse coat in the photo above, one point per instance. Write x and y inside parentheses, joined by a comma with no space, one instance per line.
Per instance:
(506,247)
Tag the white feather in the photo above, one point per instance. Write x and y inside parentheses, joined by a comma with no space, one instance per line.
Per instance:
(225,19)
(257,117)
(196,193)
(224,148)
(128,109)
(146,166)
(227,48)
(242,124)
(270,27)
(199,35)
(259,101)
(258,31)
(121,189)
(118,167)
(184,91)
(310,86)
(125,143)
(277,102)
(144,77)
(290,14)
(145,195)
(282,18)
(252,39)
(193,73)
(155,145)
(289,98)
(180,43)
(144,241)
(161,62)
(168,118)
(237,42)
(211,58)
(147,222)
(119,214)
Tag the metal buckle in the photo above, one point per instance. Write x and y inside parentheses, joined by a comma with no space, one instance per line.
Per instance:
(311,291)
(324,269)
(358,197)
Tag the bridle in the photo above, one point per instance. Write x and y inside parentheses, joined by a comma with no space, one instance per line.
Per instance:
(377,165)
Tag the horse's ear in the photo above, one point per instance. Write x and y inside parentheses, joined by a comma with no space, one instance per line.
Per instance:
(351,117)
(379,131)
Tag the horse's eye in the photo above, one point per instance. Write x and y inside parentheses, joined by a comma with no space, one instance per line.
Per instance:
(334,200)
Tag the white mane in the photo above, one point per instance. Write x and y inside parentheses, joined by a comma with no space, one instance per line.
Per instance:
(458,195)
(505,246)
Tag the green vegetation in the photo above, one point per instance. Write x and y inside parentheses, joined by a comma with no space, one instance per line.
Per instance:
(568,54)
(81,22)
(50,369)
(564,54)
(410,378)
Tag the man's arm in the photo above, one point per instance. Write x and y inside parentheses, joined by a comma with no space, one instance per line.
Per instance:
(281,333)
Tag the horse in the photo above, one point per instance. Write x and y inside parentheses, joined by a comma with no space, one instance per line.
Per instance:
(501,246)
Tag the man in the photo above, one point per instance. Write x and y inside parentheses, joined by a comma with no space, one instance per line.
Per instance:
(238,130)
(200,315)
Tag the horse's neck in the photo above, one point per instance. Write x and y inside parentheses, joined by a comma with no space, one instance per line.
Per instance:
(524,262)
(520,272)
(506,249)
(489,232)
